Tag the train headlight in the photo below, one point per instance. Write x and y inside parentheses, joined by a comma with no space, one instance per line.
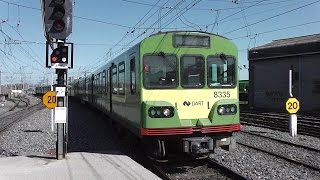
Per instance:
(221,110)
(166,112)
(153,112)
(161,112)
(227,109)
(158,112)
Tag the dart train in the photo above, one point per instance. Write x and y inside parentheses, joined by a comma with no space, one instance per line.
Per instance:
(171,89)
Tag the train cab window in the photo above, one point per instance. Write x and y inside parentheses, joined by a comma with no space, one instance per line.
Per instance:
(133,75)
(221,71)
(160,71)
(192,71)
(121,78)
(114,80)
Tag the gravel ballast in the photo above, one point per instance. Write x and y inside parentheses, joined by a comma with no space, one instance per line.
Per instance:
(31,136)
(258,165)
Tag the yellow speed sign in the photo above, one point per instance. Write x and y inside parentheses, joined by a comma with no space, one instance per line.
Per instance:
(49,99)
(292,105)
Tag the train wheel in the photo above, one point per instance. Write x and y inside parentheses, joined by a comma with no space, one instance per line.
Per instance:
(156,150)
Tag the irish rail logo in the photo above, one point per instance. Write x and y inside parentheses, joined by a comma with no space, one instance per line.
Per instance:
(193,103)
(186,103)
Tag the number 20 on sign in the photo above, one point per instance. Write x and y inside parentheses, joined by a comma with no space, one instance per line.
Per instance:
(292,105)
(49,99)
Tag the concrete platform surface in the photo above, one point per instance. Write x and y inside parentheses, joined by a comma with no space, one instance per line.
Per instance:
(76,166)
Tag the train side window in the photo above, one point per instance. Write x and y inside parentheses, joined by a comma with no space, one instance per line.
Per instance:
(107,77)
(98,82)
(132,76)
(114,80)
(103,88)
(121,78)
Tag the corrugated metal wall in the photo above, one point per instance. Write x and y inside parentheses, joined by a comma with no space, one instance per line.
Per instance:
(270,82)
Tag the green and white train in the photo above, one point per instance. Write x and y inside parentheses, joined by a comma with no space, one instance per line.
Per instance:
(173,88)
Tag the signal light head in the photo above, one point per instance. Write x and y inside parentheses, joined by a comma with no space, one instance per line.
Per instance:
(54,59)
(60,55)
(58,18)
(60,2)
(58,26)
(58,12)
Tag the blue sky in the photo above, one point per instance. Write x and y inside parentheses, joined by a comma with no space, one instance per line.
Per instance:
(103,29)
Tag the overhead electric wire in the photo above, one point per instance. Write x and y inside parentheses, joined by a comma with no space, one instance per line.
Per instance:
(279,29)
(78,17)
(232,8)
(261,12)
(27,52)
(143,32)
(239,11)
(286,12)
(182,12)
(199,28)
(93,65)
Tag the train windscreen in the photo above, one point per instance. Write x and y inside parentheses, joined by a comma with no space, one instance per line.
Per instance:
(221,71)
(160,71)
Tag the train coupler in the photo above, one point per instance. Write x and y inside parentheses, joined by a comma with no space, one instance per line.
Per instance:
(227,143)
(197,145)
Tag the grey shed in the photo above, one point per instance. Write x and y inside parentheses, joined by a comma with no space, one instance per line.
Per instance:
(269,67)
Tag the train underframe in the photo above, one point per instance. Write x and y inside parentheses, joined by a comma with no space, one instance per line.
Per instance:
(197,145)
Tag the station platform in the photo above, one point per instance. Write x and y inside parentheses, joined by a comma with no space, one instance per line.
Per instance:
(76,166)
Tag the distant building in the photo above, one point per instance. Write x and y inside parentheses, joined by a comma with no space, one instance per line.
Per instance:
(269,67)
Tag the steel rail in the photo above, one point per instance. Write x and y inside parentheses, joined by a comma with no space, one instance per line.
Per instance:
(231,172)
(10,119)
(283,157)
(284,142)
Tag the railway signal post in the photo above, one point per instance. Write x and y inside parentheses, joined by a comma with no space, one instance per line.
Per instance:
(292,106)
(57,25)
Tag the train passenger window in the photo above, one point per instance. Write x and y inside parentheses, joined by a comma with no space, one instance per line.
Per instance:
(114,80)
(108,76)
(221,71)
(121,78)
(103,88)
(192,71)
(98,83)
(133,75)
(160,71)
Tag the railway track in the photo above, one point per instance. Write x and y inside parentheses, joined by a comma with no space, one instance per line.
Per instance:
(292,160)
(8,120)
(199,169)
(282,141)
(18,102)
(307,124)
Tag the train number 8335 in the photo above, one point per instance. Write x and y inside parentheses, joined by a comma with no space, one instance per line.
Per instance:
(221,94)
